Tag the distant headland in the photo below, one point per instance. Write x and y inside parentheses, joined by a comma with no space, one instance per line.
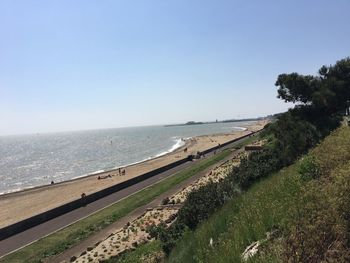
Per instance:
(222,121)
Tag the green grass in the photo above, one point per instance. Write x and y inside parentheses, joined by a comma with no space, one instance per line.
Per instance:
(71,235)
(309,215)
(241,221)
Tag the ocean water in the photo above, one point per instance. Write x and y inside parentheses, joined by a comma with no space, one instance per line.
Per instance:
(32,160)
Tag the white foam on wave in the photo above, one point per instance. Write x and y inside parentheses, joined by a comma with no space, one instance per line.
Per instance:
(84,175)
(178,144)
(22,185)
(240,128)
(13,190)
(27,166)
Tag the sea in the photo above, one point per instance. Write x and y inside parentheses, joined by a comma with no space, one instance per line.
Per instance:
(31,160)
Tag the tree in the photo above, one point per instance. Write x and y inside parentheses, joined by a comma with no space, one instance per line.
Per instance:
(296,88)
(329,90)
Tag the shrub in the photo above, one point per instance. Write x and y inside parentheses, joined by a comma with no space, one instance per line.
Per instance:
(294,136)
(165,201)
(258,166)
(167,236)
(200,204)
(156,231)
(308,168)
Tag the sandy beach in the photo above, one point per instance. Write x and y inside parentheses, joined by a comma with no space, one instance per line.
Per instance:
(23,204)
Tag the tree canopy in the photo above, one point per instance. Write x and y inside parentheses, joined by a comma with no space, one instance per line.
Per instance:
(329,90)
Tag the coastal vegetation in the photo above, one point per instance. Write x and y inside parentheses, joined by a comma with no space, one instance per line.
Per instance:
(304,205)
(64,239)
(307,217)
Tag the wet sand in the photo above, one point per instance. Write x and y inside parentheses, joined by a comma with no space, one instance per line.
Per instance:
(23,204)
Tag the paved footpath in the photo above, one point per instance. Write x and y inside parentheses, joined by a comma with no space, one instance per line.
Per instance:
(31,235)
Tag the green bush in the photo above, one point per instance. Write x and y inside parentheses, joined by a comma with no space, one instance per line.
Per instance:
(308,168)
(170,236)
(156,231)
(258,166)
(202,203)
(294,136)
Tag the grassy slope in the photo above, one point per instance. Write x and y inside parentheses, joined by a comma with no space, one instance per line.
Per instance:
(241,221)
(274,203)
(66,238)
(146,251)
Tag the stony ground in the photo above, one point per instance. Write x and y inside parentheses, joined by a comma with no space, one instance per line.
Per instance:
(133,234)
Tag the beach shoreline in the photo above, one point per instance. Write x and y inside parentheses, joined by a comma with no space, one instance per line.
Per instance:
(187,144)
(92,174)
(35,200)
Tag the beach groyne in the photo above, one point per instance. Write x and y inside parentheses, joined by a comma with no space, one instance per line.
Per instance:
(38,219)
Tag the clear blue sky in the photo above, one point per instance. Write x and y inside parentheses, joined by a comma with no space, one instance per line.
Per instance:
(71,65)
